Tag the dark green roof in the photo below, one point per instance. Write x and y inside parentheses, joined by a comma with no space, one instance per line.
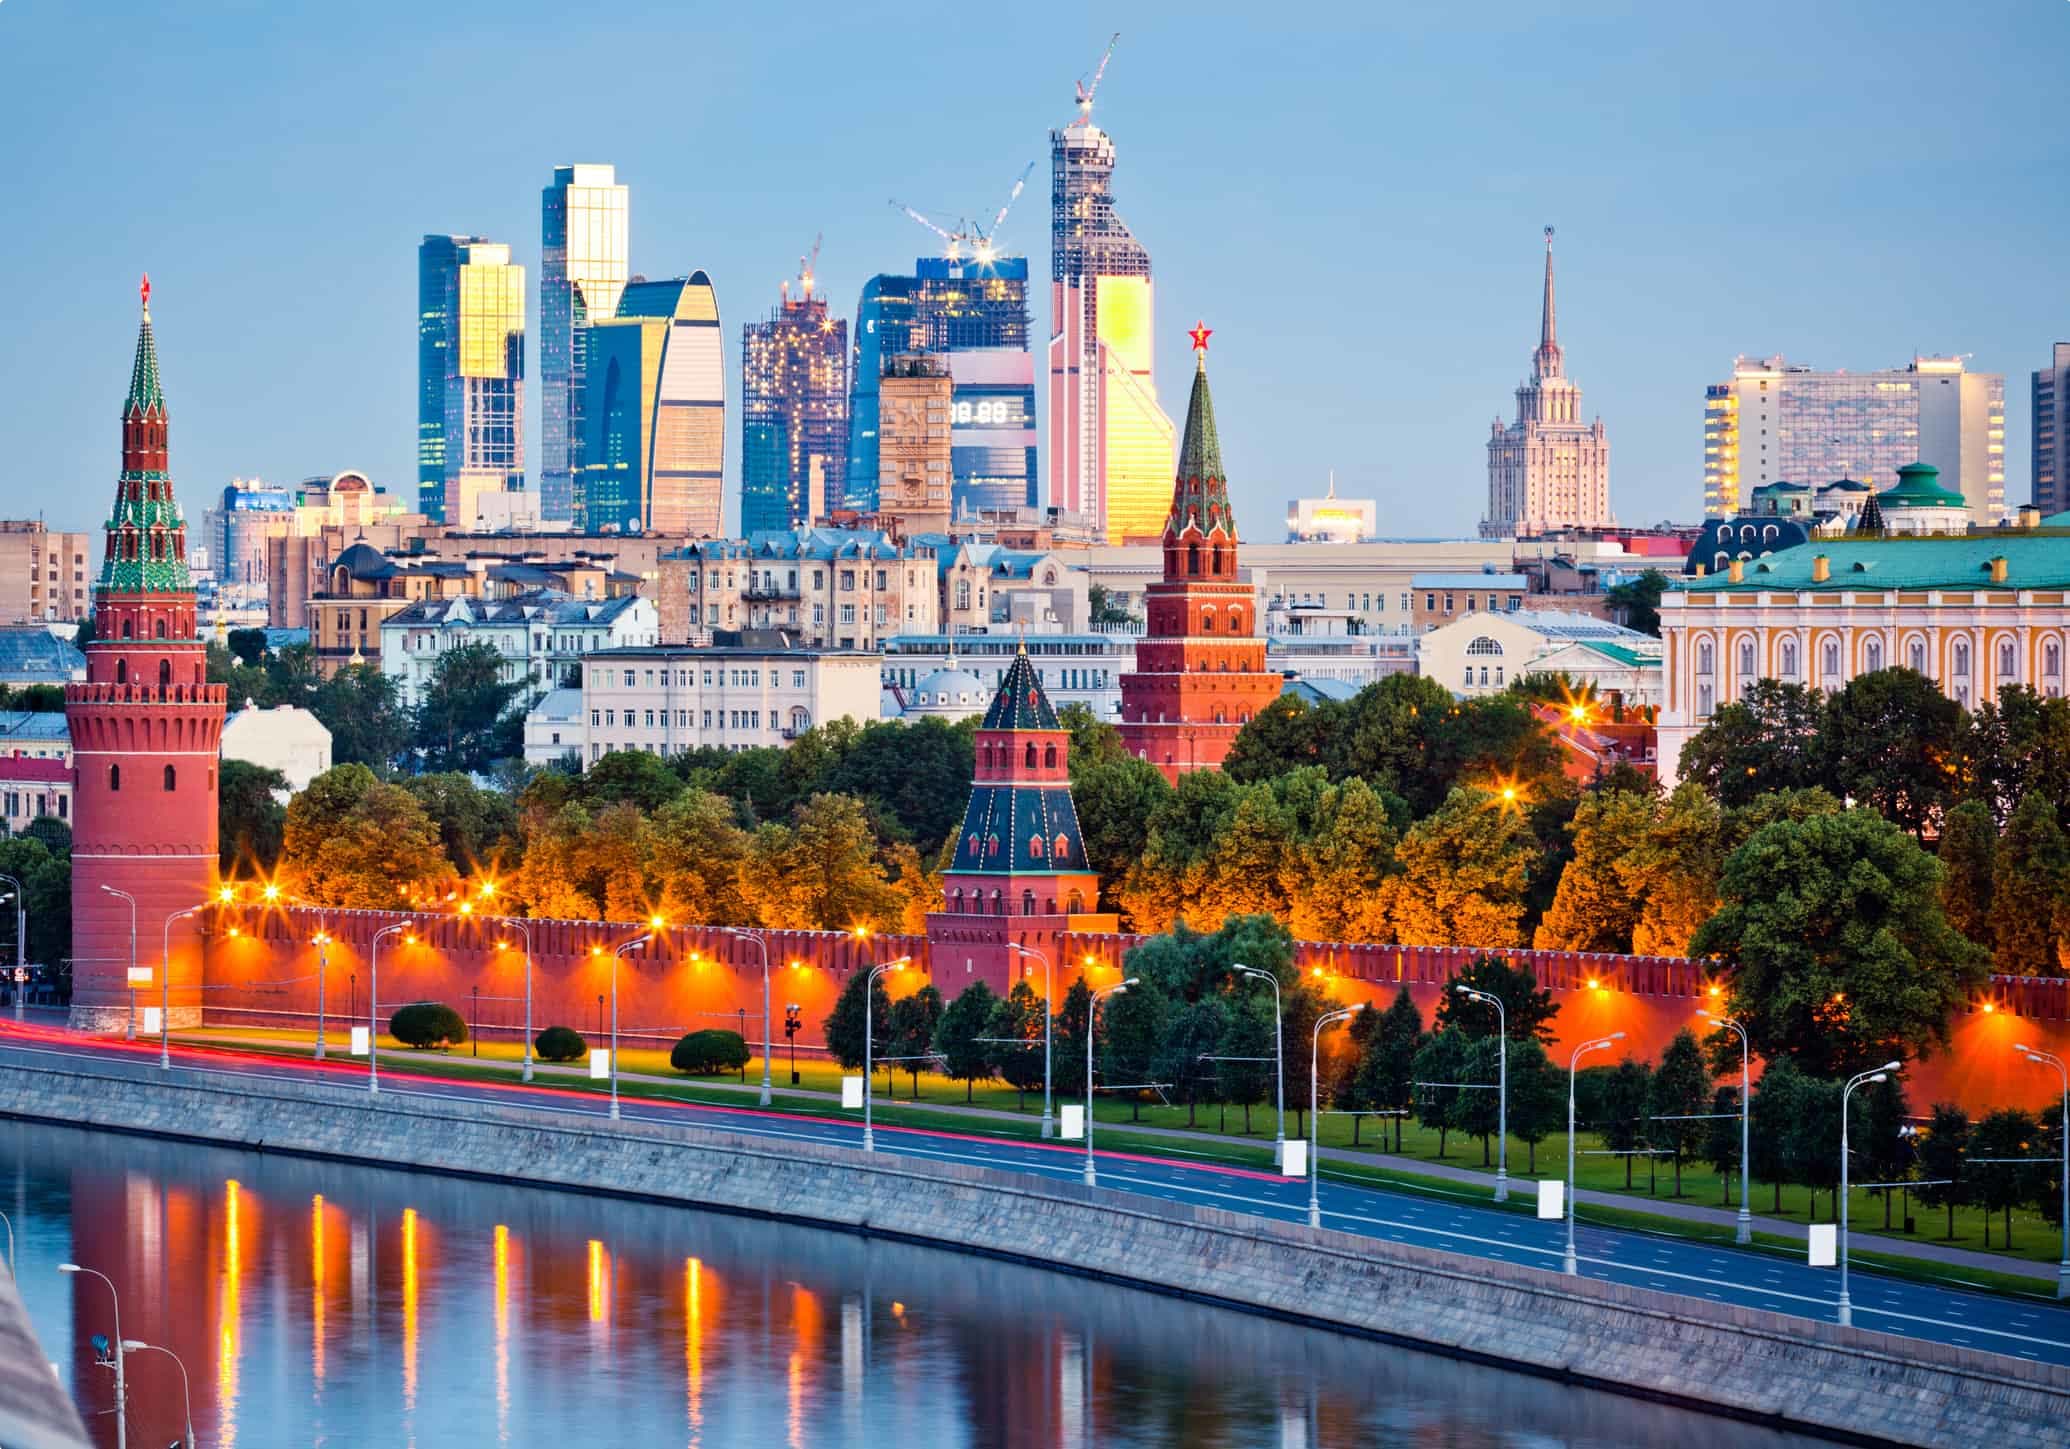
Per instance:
(1020,703)
(1952,561)
(1200,498)
(144,391)
(1919,486)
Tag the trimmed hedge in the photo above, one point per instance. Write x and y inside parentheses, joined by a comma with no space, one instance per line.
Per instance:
(427,1024)
(702,1053)
(560,1044)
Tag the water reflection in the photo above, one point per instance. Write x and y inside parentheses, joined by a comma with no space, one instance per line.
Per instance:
(340,1306)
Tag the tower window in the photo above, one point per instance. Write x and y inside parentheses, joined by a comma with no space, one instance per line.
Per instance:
(114,777)
(171,778)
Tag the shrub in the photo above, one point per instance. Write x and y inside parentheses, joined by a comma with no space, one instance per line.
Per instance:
(703,1052)
(427,1024)
(560,1044)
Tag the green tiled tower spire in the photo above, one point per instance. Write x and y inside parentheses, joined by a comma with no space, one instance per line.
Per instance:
(1200,496)
(147,537)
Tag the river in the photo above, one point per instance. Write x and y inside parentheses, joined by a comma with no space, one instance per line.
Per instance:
(324,1304)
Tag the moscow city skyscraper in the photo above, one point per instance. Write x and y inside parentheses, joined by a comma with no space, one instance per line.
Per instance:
(583,251)
(654,413)
(793,412)
(470,374)
(1111,448)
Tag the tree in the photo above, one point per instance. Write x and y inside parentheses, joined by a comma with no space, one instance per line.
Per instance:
(1672,871)
(1387,1065)
(1763,742)
(1332,879)
(967,1058)
(1843,956)
(914,1021)
(248,645)
(843,1027)
(1101,610)
(362,708)
(1133,1026)
(699,855)
(1721,1139)
(820,872)
(1067,1033)
(1942,1148)
(2001,1165)
(1969,855)
(1478,1109)
(350,840)
(1893,741)
(427,1024)
(55,834)
(2015,746)
(460,723)
(1882,1149)
(703,1053)
(560,1044)
(1811,1137)
(476,827)
(917,776)
(1680,1092)
(1537,1097)
(1596,907)
(1462,875)
(249,817)
(1780,1098)
(1017,1017)
(46,875)
(1637,601)
(1197,1031)
(1527,1011)
(1627,1098)
(1116,799)
(1244,1075)
(1284,735)
(1442,1062)
(629,776)
(2031,919)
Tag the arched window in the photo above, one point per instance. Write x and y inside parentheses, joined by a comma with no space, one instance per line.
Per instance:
(1829,658)
(170,778)
(2052,658)
(1207,621)
(1482,644)
(1063,847)
(1917,652)
(998,902)
(1049,757)
(1872,655)
(1961,659)
(1704,657)
(1787,667)
(1031,754)
(1077,903)
(165,673)
(1746,656)
(1035,846)
(1027,903)
(114,777)
(122,671)
(1721,562)
(1192,558)
(956,900)
(2007,666)
(126,629)
(159,631)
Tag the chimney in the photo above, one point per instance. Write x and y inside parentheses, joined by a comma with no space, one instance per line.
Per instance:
(1699,570)
(2029,516)
(1998,569)
(1738,571)
(1821,569)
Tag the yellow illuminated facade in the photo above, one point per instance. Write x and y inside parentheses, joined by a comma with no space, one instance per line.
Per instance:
(654,413)
(471,365)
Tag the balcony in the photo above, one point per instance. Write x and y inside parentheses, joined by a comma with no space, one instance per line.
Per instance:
(768,591)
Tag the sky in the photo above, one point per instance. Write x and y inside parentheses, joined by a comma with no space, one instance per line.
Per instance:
(1351,195)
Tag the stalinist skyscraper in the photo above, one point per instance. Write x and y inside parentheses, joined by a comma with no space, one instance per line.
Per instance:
(1548,469)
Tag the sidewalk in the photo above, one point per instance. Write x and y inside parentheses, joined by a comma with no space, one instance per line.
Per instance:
(1472,1178)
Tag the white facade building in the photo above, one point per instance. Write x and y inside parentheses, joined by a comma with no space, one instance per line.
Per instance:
(666,700)
(284,738)
(543,636)
(553,728)
(1483,654)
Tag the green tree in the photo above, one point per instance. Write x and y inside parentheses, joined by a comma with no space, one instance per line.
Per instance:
(1721,1140)
(1842,954)
(1892,741)
(1969,857)
(916,776)
(1763,742)
(2031,919)
(1133,1026)
(2004,1166)
(462,720)
(699,855)
(1811,1138)
(1596,907)
(1116,799)
(476,827)
(2015,746)
(1883,1151)
(1016,1017)
(959,1035)
(1101,610)
(1387,1065)
(1442,1062)
(1942,1148)
(350,840)
(1627,1099)
(1680,1091)
(820,872)
(1093,740)
(1672,871)
(46,877)
(1780,1098)
(1196,1032)
(843,1028)
(249,817)
(362,708)
(248,645)
(1285,735)
(1528,1011)
(1537,1097)
(1333,878)
(1462,875)
(1067,1038)
(1478,1109)
(629,777)
(1244,1075)
(1637,601)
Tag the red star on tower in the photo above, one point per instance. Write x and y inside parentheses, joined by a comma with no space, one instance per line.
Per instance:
(1200,333)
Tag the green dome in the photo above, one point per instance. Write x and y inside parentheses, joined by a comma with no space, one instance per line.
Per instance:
(1919,486)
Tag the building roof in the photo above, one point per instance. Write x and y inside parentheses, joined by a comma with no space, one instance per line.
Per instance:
(30,770)
(1622,653)
(557,704)
(34,726)
(1316,691)
(1519,582)
(1201,498)
(1583,628)
(31,654)
(279,717)
(364,561)
(1919,486)
(1945,561)
(1020,703)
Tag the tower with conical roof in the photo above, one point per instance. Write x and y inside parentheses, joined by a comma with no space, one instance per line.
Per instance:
(1200,667)
(146,733)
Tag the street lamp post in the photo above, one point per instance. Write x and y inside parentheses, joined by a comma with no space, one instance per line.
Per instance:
(617,955)
(869,1035)
(1878,1074)
(1279,1059)
(322,942)
(1744,1231)
(763,946)
(1501,1089)
(374,1005)
(791,1023)
(1315,1215)
(21,943)
(1569,1264)
(165,987)
(131,1034)
(121,1382)
(1092,1011)
(1048,1020)
(2041,1058)
(134,1345)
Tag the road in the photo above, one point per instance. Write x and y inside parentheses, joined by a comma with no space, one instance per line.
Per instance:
(2033,1329)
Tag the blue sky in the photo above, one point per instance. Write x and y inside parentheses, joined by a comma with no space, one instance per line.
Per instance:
(1351,196)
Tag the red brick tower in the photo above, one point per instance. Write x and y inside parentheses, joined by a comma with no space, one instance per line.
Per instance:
(146,734)
(1200,668)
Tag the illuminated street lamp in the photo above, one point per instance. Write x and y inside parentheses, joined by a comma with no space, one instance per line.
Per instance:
(1879,1074)
(1279,1060)
(1315,1216)
(165,987)
(1501,1088)
(21,943)
(763,946)
(2041,1058)
(133,1345)
(1569,1264)
(1048,1019)
(869,995)
(1092,1011)
(617,955)
(374,1003)
(121,1381)
(1744,1231)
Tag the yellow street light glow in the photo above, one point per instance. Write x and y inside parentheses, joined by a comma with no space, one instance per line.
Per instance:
(488,889)
(1989,1007)
(862,933)
(1714,989)
(503,945)
(235,932)
(1594,984)
(409,938)
(321,938)
(596,950)
(226,894)
(1509,794)
(656,923)
(467,908)
(272,892)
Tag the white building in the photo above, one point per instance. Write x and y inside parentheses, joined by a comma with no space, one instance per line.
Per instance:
(759,689)
(1331,519)
(543,636)
(284,738)
(553,728)
(1485,653)
(1072,668)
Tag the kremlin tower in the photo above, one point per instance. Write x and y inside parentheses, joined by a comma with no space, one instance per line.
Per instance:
(1200,668)
(146,735)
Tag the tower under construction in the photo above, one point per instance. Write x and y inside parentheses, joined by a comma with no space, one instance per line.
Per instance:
(794,412)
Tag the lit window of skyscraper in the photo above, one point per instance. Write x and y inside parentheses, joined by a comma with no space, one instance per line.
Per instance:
(470,374)
(794,413)
(582,270)
(654,413)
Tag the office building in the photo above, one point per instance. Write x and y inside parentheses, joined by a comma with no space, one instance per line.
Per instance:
(1482,654)
(583,249)
(1548,469)
(1330,519)
(2051,456)
(793,413)
(541,634)
(741,691)
(1111,447)
(470,373)
(654,413)
(1778,422)
(974,313)
(914,443)
(42,573)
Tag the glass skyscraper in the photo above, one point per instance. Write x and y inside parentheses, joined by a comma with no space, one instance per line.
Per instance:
(793,414)
(975,314)
(470,374)
(654,413)
(584,231)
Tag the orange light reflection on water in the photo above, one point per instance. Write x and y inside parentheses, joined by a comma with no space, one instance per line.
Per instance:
(316,1287)
(230,1323)
(409,1236)
(693,1347)
(502,1334)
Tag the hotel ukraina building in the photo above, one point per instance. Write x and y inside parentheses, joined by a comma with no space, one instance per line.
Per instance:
(1970,611)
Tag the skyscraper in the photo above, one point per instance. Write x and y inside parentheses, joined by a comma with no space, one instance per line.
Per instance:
(1110,444)
(470,374)
(654,413)
(584,230)
(1548,469)
(1778,423)
(793,413)
(2051,459)
(974,313)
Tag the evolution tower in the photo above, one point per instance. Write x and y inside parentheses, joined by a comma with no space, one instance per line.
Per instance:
(146,733)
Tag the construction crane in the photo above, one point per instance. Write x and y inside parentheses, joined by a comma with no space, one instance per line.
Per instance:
(1086,92)
(806,267)
(978,241)
(985,248)
(954,239)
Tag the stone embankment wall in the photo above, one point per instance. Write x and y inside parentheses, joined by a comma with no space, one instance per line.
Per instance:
(1849,1383)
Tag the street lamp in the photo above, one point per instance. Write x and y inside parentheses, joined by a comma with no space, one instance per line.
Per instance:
(1744,1232)
(121,1382)
(131,1034)
(792,1021)
(21,943)
(1569,1265)
(525,1073)
(1048,1019)
(869,1035)
(2041,1058)
(1092,1011)
(133,1345)
(374,1005)
(165,987)
(1501,1088)
(763,946)
(1279,1060)
(1315,1215)
(1878,1074)
(617,955)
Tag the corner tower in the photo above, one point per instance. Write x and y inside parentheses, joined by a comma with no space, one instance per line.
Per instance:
(1200,667)
(146,733)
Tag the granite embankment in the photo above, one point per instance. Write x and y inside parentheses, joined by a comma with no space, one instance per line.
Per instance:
(1847,1383)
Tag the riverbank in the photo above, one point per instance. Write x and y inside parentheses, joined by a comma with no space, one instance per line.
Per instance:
(1846,1383)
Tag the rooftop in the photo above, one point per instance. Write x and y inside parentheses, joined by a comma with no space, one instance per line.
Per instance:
(2034,560)
(31,654)
(1518,582)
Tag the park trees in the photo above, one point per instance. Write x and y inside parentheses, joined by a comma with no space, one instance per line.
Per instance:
(1017,1017)
(465,721)
(966,1057)
(2002,1165)
(1461,877)
(1942,1148)
(1537,1096)
(249,817)
(351,840)
(1627,1095)
(1721,1139)
(862,995)
(820,872)
(1779,1099)
(1387,1062)
(1767,740)
(1442,1064)
(1528,1010)
(2031,922)
(1680,1093)
(1672,871)
(1893,741)
(1968,855)
(915,1020)
(1596,905)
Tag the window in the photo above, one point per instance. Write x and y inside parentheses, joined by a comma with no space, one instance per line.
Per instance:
(2008,669)
(1704,657)
(122,671)
(1049,757)
(165,673)
(1872,655)
(1961,659)
(1787,659)
(170,778)
(114,777)
(1746,657)
(1031,754)
(1829,659)
(1483,645)
(1027,903)
(1917,654)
